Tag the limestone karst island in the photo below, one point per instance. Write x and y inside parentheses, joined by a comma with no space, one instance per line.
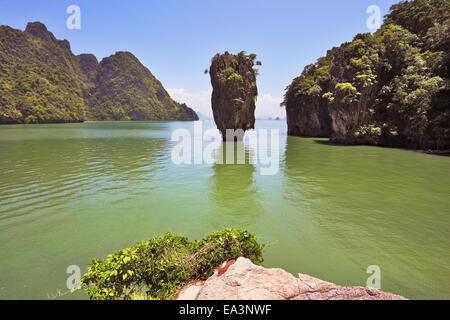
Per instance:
(282,150)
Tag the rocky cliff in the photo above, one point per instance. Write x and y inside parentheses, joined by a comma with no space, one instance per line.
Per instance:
(126,90)
(243,280)
(233,78)
(88,64)
(389,88)
(42,81)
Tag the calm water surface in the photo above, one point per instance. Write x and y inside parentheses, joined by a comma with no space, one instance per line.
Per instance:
(72,192)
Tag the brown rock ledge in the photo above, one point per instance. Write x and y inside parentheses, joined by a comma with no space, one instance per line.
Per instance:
(244,280)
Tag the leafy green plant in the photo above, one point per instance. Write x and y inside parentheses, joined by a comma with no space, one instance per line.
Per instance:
(347,92)
(158,267)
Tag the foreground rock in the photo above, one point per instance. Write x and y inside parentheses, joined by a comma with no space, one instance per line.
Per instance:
(243,280)
(233,79)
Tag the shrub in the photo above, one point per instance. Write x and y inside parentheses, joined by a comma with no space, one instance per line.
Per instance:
(158,267)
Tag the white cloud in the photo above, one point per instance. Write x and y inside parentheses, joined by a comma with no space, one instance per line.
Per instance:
(200,101)
(269,106)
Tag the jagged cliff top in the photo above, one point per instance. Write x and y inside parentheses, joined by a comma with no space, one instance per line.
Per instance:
(76,88)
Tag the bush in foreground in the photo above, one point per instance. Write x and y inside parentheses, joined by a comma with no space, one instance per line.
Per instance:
(158,267)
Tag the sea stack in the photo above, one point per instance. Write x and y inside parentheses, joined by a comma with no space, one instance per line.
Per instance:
(233,78)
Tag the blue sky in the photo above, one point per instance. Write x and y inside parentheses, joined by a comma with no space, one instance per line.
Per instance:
(176,39)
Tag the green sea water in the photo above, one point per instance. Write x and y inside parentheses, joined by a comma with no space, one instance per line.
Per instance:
(72,192)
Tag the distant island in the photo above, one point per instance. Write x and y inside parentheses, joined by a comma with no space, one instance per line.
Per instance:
(42,81)
(390,88)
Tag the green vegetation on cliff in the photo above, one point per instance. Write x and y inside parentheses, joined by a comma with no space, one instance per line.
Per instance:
(126,90)
(233,78)
(42,81)
(388,88)
(158,267)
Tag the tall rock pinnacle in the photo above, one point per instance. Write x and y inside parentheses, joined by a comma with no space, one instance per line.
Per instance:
(233,79)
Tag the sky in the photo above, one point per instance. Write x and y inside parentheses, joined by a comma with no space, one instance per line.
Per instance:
(176,39)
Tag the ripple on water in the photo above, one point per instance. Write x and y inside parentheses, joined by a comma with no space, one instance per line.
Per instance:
(69,193)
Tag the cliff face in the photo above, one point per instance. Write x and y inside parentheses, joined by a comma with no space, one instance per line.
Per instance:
(88,64)
(389,88)
(233,79)
(308,116)
(42,81)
